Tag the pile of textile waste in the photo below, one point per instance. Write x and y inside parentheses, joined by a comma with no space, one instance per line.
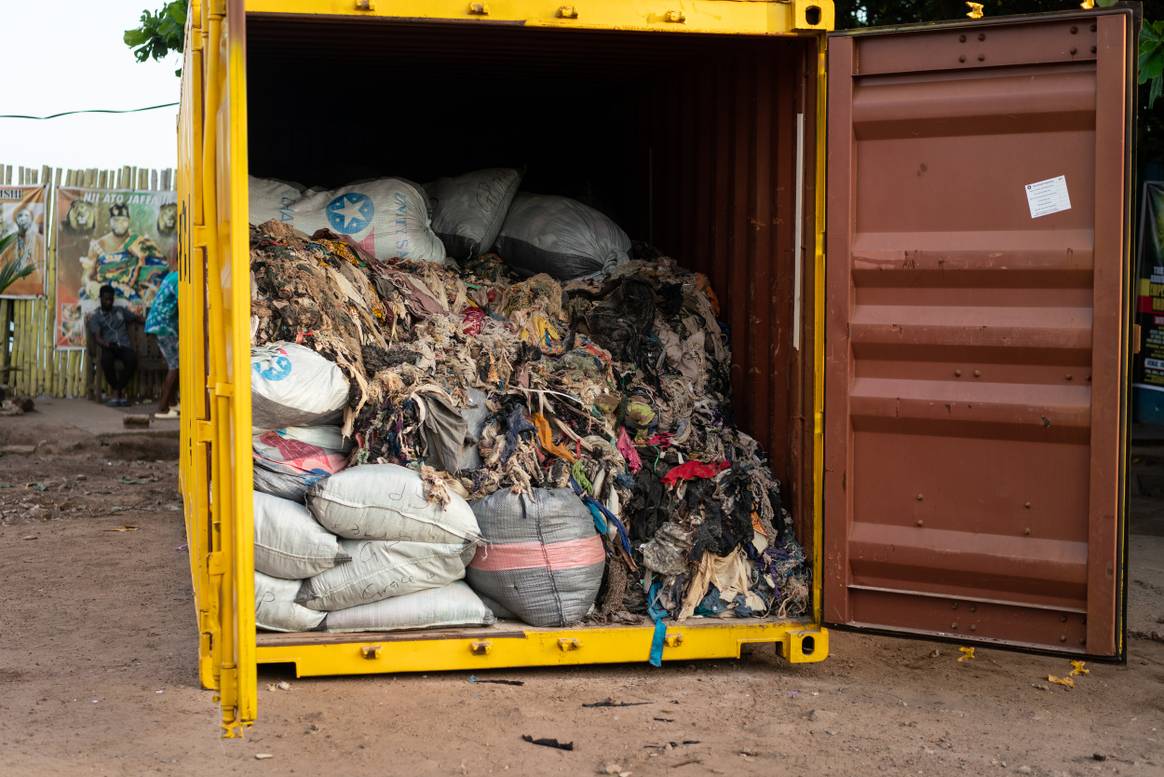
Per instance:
(613,388)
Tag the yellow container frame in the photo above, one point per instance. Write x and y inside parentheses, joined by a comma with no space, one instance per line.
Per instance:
(215,467)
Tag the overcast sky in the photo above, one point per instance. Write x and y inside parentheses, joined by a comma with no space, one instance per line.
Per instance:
(66,55)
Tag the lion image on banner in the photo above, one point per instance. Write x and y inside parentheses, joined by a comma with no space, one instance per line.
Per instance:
(112,238)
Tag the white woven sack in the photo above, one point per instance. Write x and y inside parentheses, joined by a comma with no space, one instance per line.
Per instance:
(380,569)
(387,502)
(275,607)
(452,605)
(294,386)
(289,543)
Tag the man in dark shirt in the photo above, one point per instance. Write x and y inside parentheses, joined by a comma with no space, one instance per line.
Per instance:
(109,327)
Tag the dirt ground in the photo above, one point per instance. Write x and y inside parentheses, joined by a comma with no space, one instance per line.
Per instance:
(97,671)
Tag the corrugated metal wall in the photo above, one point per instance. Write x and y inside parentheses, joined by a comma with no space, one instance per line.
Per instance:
(723,158)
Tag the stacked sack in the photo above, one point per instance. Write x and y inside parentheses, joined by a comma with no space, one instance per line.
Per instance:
(378,550)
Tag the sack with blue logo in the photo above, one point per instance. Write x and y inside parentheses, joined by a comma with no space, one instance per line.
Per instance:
(294,386)
(387,217)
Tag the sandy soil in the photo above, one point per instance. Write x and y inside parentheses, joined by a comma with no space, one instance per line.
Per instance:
(97,675)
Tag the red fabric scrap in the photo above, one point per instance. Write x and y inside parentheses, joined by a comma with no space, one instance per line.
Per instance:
(473,321)
(627,449)
(662,440)
(694,469)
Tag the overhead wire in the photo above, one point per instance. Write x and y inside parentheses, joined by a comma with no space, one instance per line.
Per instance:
(87,110)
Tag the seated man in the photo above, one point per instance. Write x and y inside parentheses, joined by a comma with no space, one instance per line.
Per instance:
(109,327)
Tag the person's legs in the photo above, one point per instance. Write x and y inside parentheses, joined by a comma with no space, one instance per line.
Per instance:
(169,386)
(168,345)
(109,366)
(128,358)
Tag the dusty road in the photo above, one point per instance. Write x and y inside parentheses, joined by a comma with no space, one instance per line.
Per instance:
(97,675)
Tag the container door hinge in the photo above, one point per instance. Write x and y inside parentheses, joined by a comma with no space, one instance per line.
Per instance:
(203,431)
(224,389)
(201,236)
(214,564)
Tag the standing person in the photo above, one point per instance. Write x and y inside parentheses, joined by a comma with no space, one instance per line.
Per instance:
(109,325)
(162,322)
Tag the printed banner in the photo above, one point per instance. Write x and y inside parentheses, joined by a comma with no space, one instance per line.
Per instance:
(120,238)
(22,235)
(1149,366)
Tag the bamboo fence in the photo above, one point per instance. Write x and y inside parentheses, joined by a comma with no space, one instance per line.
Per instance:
(28,353)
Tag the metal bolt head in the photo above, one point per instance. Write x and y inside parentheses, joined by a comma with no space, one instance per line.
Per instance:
(978,373)
(920,497)
(962,58)
(1074,51)
(1062,637)
(567,12)
(958,373)
(973,627)
(920,522)
(1027,505)
(981,36)
(961,38)
(1074,29)
(981,57)
(1027,531)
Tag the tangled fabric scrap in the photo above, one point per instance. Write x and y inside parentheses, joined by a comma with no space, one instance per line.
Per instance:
(616,387)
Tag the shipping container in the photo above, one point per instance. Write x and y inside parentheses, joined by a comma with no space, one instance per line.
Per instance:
(937,369)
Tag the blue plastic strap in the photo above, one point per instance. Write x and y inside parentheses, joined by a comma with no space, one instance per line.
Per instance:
(657,614)
(599,521)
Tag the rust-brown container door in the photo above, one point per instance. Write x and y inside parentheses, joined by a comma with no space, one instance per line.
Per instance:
(976,338)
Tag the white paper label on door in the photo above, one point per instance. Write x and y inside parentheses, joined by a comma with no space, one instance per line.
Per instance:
(1047,197)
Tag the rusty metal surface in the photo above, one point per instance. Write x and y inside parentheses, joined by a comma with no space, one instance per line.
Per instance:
(974,407)
(722,145)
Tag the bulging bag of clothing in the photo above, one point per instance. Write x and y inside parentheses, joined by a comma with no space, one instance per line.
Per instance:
(387,502)
(289,543)
(379,570)
(468,210)
(289,461)
(388,217)
(452,605)
(560,237)
(543,561)
(282,485)
(275,607)
(294,386)
(271,199)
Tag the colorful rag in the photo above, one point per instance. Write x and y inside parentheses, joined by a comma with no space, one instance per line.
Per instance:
(693,469)
(657,613)
(546,437)
(627,449)
(473,321)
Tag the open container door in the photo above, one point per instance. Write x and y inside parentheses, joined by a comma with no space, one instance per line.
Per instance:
(976,331)
(216,398)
